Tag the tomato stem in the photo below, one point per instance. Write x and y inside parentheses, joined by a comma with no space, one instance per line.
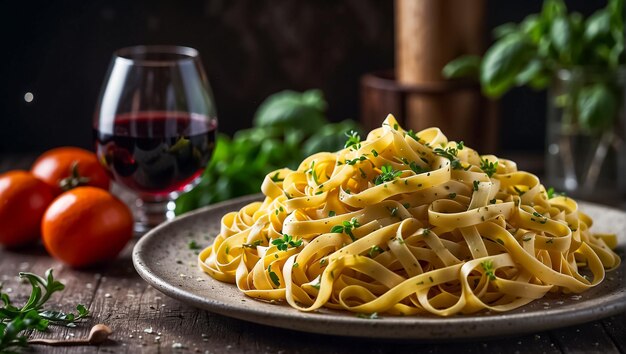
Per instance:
(74,180)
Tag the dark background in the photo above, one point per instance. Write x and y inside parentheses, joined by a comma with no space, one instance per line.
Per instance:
(60,52)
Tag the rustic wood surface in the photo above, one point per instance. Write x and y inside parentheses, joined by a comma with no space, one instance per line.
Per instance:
(146,321)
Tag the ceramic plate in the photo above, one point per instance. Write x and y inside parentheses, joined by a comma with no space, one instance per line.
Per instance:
(164,259)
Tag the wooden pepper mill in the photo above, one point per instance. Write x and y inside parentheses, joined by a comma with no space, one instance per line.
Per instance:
(429,34)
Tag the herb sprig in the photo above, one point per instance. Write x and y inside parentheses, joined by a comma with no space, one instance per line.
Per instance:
(354,140)
(32,315)
(347,227)
(387,174)
(490,168)
(287,241)
(451,153)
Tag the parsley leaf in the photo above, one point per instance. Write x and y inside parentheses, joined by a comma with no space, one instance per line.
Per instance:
(287,241)
(387,174)
(490,168)
(488,268)
(354,140)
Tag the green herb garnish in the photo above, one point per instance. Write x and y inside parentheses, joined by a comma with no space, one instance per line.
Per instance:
(287,241)
(388,174)
(273,276)
(193,245)
(14,321)
(488,268)
(354,140)
(490,168)
(347,227)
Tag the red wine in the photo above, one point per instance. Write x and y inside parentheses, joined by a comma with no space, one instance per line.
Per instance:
(156,152)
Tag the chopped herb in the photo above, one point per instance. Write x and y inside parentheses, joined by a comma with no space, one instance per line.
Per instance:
(296,265)
(400,239)
(275,177)
(493,201)
(355,160)
(412,134)
(375,153)
(227,249)
(488,268)
(363,174)
(273,276)
(253,244)
(388,174)
(395,126)
(354,140)
(431,279)
(452,195)
(393,211)
(488,167)
(317,285)
(287,241)
(500,241)
(417,168)
(373,316)
(426,232)
(347,227)
(450,153)
(525,239)
(348,191)
(476,185)
(550,241)
(193,245)
(420,283)
(331,213)
(406,205)
(373,249)
(322,261)
(519,192)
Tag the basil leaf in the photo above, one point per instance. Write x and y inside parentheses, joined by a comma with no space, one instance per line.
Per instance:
(292,109)
(530,72)
(598,26)
(502,63)
(465,66)
(561,35)
(504,30)
(597,107)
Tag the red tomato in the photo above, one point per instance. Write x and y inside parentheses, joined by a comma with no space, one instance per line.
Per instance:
(86,226)
(55,167)
(23,201)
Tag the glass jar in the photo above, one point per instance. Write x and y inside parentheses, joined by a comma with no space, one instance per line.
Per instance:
(586,131)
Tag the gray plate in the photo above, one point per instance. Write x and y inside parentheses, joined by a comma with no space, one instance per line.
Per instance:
(163,258)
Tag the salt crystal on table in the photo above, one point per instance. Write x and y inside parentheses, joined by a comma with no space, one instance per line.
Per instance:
(107,295)
(177,345)
(148,330)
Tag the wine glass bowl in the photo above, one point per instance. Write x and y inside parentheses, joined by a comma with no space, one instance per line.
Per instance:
(155,126)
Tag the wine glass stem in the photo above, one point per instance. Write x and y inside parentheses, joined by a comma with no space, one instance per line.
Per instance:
(150,213)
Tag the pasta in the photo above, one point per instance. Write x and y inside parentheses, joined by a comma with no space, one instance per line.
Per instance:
(407,223)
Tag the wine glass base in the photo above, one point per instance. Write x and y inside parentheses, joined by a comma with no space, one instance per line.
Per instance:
(149,214)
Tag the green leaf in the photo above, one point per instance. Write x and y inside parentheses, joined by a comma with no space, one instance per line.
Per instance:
(533,69)
(561,35)
(532,28)
(505,29)
(502,63)
(598,26)
(465,66)
(597,107)
(292,109)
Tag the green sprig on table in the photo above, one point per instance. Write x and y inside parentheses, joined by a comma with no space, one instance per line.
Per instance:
(533,51)
(288,126)
(15,321)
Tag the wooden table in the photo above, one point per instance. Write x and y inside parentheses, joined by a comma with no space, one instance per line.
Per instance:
(146,321)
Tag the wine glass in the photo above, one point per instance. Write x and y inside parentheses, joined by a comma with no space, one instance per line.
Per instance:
(155,126)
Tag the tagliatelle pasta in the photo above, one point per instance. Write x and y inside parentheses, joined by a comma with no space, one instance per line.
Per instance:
(407,223)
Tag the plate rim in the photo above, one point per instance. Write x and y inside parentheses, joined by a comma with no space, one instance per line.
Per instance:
(524,322)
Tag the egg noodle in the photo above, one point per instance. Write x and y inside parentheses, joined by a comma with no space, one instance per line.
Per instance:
(407,223)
